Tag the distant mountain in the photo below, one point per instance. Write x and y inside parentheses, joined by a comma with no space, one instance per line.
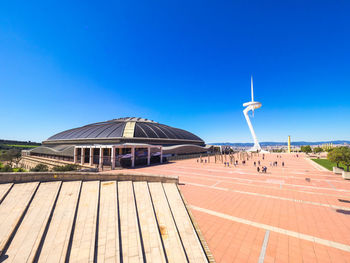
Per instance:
(19,142)
(280,143)
(19,145)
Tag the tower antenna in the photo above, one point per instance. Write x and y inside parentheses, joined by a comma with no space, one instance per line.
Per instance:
(251,86)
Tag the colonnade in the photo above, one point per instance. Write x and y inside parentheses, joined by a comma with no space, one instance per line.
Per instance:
(112,153)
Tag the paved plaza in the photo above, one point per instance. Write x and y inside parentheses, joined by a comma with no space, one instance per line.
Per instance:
(295,213)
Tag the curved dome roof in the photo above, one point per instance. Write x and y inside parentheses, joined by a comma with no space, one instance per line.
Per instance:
(126,128)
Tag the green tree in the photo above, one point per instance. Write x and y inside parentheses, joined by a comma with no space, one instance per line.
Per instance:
(329,149)
(16,156)
(4,157)
(318,150)
(345,151)
(306,149)
(335,156)
(11,156)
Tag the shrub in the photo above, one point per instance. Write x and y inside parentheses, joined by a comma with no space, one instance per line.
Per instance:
(40,168)
(66,168)
(18,170)
(6,168)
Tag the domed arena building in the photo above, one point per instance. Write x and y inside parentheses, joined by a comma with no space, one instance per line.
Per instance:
(120,142)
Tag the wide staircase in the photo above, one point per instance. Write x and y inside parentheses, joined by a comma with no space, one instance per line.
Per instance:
(97,221)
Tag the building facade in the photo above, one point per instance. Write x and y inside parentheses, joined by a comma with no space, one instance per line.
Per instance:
(120,142)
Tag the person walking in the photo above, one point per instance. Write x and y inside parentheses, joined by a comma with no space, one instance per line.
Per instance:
(254,163)
(258,169)
(282,164)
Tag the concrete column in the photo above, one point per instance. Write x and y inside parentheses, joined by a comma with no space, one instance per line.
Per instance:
(117,152)
(91,159)
(75,155)
(132,156)
(148,155)
(82,159)
(161,155)
(113,158)
(100,165)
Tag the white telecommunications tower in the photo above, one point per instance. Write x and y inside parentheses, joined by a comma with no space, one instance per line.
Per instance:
(251,106)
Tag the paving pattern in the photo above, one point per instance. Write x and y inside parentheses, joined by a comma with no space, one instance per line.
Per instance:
(295,213)
(96,221)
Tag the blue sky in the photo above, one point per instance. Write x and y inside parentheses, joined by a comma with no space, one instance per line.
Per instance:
(183,63)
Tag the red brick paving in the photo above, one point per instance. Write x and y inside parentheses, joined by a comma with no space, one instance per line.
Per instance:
(312,208)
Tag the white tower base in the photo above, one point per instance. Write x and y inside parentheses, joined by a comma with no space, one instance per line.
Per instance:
(256,147)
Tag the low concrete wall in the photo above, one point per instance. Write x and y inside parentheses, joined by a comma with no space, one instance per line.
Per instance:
(337,170)
(80,176)
(346,175)
(28,164)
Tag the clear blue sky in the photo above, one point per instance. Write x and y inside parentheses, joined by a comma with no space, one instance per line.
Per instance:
(183,63)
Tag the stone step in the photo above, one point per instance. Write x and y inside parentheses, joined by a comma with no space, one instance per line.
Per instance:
(12,210)
(152,242)
(57,239)
(170,236)
(25,244)
(108,234)
(84,236)
(191,243)
(4,189)
(129,228)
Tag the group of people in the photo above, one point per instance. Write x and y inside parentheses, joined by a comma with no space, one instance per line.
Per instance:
(236,162)
(276,164)
(263,169)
